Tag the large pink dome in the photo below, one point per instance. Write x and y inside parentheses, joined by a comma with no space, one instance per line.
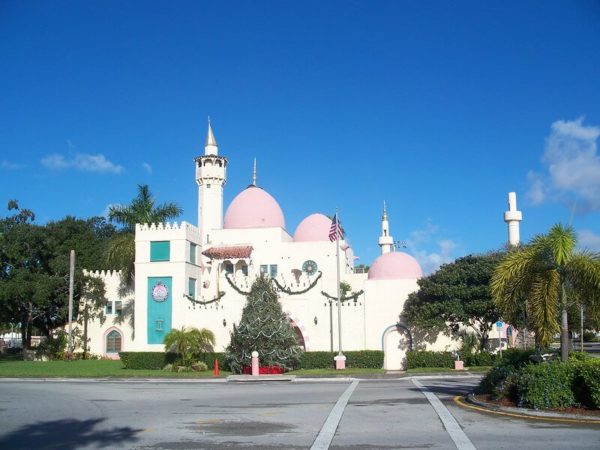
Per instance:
(313,228)
(395,266)
(254,208)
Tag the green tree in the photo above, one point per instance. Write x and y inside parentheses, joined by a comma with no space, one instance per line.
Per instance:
(263,328)
(189,342)
(551,276)
(142,209)
(456,295)
(34,267)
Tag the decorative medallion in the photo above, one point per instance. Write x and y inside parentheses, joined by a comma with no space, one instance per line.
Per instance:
(309,267)
(160,292)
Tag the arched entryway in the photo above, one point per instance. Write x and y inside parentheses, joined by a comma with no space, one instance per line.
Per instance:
(396,341)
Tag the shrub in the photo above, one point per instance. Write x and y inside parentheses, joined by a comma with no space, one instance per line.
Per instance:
(317,360)
(587,382)
(547,385)
(479,359)
(416,359)
(199,366)
(147,360)
(501,380)
(365,359)
(53,347)
(589,336)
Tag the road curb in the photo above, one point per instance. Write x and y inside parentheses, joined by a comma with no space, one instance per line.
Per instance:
(524,413)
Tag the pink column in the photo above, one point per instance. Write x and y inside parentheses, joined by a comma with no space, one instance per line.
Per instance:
(254,364)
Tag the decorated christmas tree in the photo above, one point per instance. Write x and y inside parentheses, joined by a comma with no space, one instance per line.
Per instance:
(263,328)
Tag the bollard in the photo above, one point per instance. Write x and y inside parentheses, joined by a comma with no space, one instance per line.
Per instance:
(254,363)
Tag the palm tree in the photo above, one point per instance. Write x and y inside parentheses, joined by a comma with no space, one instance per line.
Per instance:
(550,276)
(188,342)
(142,209)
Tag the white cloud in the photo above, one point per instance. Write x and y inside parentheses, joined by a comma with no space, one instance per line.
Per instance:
(7,165)
(588,240)
(429,248)
(83,162)
(572,166)
(147,167)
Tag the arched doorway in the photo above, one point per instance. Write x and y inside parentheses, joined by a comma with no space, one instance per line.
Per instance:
(396,341)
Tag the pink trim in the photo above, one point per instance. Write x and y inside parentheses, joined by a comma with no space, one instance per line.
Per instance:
(298,323)
(106,333)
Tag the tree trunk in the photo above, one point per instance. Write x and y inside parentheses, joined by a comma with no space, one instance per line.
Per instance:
(85,332)
(564,336)
(564,327)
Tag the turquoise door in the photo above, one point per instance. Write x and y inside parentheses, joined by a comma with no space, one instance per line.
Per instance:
(159,308)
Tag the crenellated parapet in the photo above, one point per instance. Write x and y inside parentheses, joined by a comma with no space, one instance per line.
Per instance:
(177,230)
(104,274)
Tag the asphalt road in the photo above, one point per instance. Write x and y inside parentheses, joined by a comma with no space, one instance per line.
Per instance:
(369,414)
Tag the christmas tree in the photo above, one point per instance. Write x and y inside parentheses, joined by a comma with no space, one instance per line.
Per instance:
(263,328)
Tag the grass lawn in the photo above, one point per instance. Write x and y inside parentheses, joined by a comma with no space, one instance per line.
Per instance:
(89,368)
(447,369)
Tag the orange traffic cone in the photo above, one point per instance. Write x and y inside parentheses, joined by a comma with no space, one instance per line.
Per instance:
(216,371)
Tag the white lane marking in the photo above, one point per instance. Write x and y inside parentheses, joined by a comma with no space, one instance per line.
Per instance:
(459,437)
(323,440)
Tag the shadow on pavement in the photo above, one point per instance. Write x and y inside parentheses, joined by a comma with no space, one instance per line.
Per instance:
(67,434)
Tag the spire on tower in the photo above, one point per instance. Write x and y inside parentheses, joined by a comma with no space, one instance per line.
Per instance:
(386,242)
(512,217)
(210,148)
(254,173)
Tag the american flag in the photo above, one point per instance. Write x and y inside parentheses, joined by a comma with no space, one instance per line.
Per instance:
(336,231)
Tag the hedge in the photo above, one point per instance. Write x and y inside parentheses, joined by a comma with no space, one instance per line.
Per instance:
(365,359)
(158,360)
(479,359)
(418,358)
(146,360)
(370,359)
(543,385)
(547,385)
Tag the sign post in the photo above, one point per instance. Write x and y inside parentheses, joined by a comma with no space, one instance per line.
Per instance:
(499,326)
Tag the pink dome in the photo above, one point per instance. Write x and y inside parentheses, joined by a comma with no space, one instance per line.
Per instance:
(395,266)
(254,208)
(313,228)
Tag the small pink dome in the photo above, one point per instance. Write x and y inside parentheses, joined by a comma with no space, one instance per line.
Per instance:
(395,266)
(313,228)
(254,208)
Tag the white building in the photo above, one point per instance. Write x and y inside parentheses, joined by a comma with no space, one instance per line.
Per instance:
(188,275)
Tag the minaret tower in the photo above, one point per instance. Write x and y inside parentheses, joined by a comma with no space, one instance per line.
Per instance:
(386,242)
(211,178)
(512,217)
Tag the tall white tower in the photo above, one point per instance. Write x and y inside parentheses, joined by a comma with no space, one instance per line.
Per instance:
(386,242)
(211,171)
(512,217)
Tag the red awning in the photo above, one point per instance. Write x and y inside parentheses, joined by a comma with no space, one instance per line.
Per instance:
(238,252)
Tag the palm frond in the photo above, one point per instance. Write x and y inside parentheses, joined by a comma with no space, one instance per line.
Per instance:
(544,301)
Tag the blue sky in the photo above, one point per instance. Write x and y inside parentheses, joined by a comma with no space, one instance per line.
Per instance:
(440,108)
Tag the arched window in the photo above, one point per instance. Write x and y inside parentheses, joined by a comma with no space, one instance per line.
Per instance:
(113,342)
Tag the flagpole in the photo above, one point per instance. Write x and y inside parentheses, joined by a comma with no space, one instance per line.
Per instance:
(340,359)
(339,303)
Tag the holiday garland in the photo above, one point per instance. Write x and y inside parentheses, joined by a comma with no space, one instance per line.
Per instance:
(208,302)
(232,284)
(353,296)
(303,291)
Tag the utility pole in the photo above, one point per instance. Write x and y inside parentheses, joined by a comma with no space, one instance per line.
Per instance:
(71,280)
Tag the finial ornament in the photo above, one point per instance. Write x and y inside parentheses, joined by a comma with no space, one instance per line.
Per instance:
(254,173)
(210,137)
(384,211)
